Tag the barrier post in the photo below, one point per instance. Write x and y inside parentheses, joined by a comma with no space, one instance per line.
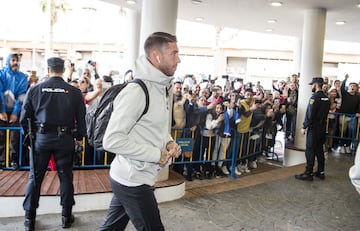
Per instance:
(7,152)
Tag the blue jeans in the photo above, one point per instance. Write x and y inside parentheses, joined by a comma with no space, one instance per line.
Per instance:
(63,151)
(135,203)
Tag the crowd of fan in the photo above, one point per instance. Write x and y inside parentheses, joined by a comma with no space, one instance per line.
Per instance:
(212,115)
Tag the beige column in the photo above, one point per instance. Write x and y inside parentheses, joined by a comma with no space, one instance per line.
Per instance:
(157,15)
(297,56)
(217,53)
(311,66)
(132,38)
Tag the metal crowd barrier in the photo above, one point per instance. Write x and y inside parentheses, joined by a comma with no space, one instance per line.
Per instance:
(7,142)
(341,127)
(237,147)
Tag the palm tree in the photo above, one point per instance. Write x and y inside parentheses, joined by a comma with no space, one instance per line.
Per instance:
(51,8)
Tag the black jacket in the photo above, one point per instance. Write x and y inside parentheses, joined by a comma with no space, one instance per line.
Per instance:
(54,103)
(317,111)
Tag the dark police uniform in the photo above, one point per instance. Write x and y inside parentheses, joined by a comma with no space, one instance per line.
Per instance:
(57,112)
(315,123)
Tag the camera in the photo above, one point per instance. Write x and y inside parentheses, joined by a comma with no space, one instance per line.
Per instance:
(92,63)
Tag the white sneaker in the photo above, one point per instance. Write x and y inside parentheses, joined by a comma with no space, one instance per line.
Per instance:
(225,170)
(237,172)
(268,136)
(261,159)
(244,168)
(342,150)
(252,164)
(347,149)
(255,137)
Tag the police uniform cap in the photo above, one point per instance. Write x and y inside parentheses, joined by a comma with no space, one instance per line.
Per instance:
(317,80)
(55,63)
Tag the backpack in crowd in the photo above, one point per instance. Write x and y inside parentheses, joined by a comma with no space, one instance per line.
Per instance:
(98,119)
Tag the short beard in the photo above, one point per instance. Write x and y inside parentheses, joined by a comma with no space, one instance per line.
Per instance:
(15,68)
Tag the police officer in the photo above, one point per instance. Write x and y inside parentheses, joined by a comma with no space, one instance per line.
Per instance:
(314,126)
(57,113)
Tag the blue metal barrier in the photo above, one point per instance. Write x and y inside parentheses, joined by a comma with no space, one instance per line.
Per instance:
(343,127)
(236,145)
(7,145)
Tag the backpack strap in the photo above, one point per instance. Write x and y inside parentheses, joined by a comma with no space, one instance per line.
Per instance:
(143,86)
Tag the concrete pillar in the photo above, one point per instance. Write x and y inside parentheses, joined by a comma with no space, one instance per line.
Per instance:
(297,56)
(157,15)
(217,53)
(132,38)
(311,66)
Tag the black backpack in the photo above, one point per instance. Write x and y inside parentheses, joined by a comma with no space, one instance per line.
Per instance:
(98,119)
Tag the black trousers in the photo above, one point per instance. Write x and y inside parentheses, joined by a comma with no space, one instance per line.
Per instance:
(63,150)
(135,203)
(315,139)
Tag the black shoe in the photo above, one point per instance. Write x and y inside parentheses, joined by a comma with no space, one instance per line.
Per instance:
(14,165)
(29,222)
(208,175)
(67,221)
(189,178)
(219,173)
(304,176)
(320,175)
(199,176)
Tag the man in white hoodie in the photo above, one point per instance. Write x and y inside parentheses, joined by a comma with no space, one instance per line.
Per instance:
(141,147)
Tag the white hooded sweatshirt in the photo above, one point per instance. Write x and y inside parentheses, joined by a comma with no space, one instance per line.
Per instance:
(138,144)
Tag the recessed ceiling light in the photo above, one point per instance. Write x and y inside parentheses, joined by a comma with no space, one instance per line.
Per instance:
(199,19)
(272,21)
(340,23)
(358,5)
(131,2)
(269,30)
(276,3)
(196,1)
